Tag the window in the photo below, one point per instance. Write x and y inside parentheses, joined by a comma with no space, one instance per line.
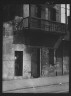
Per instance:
(62,13)
(63,18)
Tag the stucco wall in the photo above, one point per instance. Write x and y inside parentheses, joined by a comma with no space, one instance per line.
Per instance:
(26,58)
(46,68)
(44,61)
(8,59)
(62,59)
(65,65)
(65,59)
(8,54)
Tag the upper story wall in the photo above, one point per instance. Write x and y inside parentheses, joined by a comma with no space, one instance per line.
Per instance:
(7,29)
(37,11)
(47,13)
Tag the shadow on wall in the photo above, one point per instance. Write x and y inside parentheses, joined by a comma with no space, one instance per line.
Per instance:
(29,50)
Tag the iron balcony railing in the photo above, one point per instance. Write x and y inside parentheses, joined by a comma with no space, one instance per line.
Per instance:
(42,24)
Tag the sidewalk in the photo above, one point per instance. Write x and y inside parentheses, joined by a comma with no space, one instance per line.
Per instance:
(35,82)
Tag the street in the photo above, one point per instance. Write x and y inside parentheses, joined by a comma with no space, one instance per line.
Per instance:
(54,88)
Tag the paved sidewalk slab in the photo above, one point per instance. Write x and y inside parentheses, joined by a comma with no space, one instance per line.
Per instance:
(34,82)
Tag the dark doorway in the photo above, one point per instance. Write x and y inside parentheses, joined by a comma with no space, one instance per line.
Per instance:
(51,57)
(18,63)
(35,63)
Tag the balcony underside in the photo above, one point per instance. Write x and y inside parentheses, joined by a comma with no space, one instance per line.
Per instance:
(36,37)
(38,32)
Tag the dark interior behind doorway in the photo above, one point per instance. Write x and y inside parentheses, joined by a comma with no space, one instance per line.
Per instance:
(51,57)
(18,63)
(35,63)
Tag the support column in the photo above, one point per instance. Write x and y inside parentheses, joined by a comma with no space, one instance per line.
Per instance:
(29,19)
(55,60)
(62,57)
(40,61)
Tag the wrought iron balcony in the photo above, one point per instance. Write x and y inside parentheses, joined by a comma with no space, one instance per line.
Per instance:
(41,24)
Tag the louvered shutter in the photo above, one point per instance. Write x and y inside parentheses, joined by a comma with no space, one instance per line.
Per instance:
(52,14)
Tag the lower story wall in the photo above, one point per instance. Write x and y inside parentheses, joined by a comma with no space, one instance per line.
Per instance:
(26,58)
(9,62)
(65,60)
(46,69)
(66,65)
(60,64)
(62,60)
(8,69)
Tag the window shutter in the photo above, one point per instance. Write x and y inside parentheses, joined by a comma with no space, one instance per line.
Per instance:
(53,14)
(38,11)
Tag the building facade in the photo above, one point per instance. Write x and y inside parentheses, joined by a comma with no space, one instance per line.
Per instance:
(32,43)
